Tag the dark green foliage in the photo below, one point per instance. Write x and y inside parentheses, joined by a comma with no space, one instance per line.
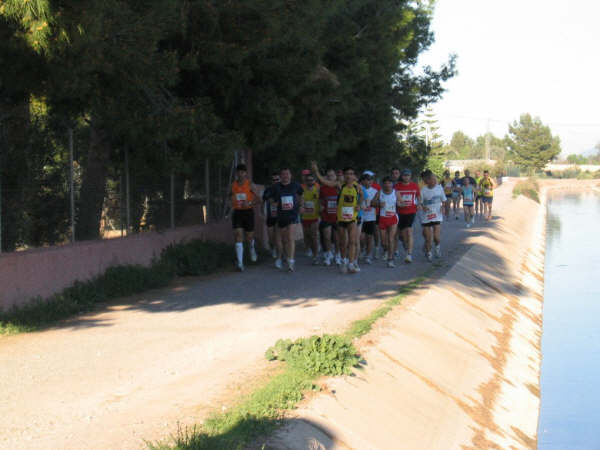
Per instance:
(192,258)
(317,355)
(531,143)
(179,82)
(197,257)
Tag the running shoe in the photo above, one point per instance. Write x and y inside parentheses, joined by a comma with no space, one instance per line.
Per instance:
(291,264)
(274,253)
(327,259)
(391,264)
(385,256)
(315,261)
(356,266)
(253,255)
(278,263)
(397,254)
(368,260)
(352,268)
(408,259)
(240,267)
(438,251)
(309,252)
(338,259)
(429,257)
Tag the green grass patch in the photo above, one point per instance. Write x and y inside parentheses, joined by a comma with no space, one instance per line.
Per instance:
(363,326)
(528,188)
(195,257)
(306,359)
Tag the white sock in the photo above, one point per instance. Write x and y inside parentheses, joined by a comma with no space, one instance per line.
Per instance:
(239,251)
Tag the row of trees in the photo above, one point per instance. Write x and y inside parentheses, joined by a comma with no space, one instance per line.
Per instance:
(529,144)
(176,83)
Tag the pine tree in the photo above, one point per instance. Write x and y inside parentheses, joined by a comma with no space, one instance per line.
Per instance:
(531,143)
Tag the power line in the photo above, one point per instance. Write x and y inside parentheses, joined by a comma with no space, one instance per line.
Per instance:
(554,124)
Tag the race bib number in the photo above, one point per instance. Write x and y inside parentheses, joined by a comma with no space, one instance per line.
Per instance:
(347,212)
(487,192)
(469,197)
(331,206)
(273,209)
(309,207)
(240,197)
(431,216)
(407,200)
(287,203)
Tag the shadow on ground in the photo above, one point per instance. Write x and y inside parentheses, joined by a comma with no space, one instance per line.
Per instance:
(264,286)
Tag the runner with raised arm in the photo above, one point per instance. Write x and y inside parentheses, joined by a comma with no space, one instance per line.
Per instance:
(349,201)
(243,198)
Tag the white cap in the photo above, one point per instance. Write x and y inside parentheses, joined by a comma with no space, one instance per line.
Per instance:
(368,172)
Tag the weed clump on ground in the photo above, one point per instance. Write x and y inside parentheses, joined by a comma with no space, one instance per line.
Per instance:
(317,355)
(528,188)
(195,257)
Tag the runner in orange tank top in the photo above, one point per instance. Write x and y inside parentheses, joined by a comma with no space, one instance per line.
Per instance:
(243,199)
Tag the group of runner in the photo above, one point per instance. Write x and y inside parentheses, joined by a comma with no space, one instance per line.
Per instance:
(345,216)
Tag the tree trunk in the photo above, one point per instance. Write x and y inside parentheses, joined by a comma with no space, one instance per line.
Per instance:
(93,187)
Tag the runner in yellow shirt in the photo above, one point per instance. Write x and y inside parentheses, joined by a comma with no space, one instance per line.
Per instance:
(310,216)
(486,191)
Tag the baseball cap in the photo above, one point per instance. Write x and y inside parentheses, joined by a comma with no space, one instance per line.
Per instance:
(368,172)
(406,172)
(306,172)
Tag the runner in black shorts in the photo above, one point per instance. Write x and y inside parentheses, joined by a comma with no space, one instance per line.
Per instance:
(271,213)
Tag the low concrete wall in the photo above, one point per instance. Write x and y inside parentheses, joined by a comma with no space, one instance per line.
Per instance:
(45,271)
(457,365)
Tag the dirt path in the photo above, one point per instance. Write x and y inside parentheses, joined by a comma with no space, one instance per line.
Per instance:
(136,368)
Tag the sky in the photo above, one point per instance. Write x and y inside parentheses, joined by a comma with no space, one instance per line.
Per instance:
(520,56)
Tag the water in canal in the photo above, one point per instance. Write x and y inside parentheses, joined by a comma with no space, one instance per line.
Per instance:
(570,383)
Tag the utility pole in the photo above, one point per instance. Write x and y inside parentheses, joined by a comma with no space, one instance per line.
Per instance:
(207,189)
(127,196)
(487,141)
(71,185)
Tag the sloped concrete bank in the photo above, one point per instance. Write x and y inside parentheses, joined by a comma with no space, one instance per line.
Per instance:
(457,366)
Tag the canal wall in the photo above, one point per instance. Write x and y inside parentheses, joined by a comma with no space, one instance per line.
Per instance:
(457,366)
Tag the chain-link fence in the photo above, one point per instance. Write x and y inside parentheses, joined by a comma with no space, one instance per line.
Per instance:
(46,213)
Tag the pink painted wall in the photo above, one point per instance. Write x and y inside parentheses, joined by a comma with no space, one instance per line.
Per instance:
(45,271)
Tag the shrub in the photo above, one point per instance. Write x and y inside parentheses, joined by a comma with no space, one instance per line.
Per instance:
(195,257)
(529,188)
(317,355)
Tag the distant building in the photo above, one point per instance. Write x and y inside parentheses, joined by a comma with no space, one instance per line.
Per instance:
(562,167)
(461,164)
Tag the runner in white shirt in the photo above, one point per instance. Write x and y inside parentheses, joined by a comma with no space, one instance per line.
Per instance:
(369,218)
(432,198)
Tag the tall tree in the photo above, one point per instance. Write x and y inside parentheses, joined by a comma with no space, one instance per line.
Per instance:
(531,143)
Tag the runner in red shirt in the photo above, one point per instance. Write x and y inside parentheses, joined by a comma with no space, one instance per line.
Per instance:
(328,197)
(409,194)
